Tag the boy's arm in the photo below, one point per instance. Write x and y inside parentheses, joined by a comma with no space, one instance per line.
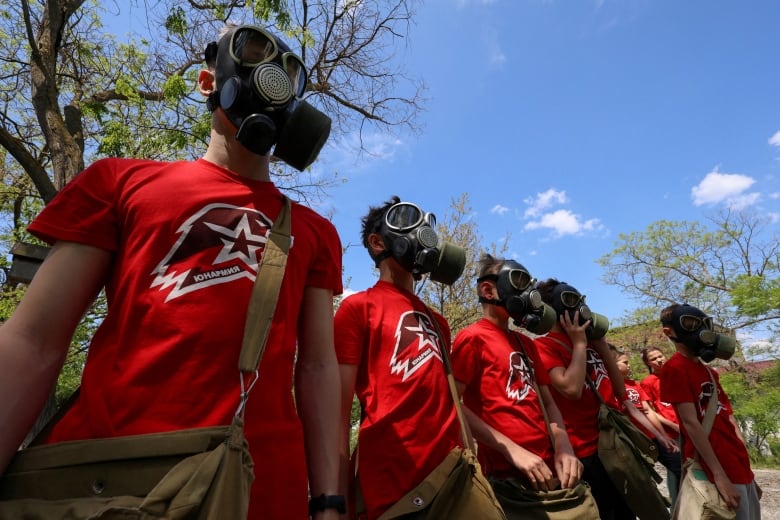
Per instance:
(35,339)
(530,465)
(567,466)
(689,419)
(348,377)
(569,380)
(317,393)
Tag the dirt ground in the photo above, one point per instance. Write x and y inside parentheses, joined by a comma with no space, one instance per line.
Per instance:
(768,479)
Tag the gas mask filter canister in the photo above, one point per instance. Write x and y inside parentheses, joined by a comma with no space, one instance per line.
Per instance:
(261,84)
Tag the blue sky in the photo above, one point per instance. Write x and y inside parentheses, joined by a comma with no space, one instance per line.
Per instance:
(570,122)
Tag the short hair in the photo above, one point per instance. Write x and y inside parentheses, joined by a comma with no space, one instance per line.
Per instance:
(666,314)
(372,221)
(488,264)
(646,353)
(546,289)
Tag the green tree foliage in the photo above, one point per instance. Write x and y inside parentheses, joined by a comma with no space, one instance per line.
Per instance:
(730,268)
(755,398)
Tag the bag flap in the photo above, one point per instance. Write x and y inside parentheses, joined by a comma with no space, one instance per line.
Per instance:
(90,451)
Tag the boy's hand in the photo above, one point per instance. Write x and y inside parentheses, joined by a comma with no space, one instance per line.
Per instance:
(572,328)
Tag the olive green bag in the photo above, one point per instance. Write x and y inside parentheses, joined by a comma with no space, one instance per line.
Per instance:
(199,473)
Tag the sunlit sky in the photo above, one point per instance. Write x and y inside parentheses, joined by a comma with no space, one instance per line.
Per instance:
(571,122)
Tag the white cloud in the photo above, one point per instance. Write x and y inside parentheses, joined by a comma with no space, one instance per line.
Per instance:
(499,209)
(564,222)
(346,152)
(719,187)
(543,201)
(775,139)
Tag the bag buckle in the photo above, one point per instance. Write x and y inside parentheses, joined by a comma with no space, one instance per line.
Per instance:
(245,391)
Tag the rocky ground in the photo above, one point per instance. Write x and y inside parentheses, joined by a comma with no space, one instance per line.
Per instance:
(768,479)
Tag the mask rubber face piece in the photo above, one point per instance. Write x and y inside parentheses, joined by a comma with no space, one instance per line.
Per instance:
(261,84)
(410,237)
(567,299)
(694,329)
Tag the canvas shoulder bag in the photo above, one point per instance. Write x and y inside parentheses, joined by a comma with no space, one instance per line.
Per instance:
(698,497)
(199,473)
(520,501)
(456,489)
(628,456)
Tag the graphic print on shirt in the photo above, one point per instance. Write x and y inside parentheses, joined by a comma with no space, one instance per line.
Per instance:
(596,369)
(633,394)
(416,343)
(704,399)
(519,384)
(218,244)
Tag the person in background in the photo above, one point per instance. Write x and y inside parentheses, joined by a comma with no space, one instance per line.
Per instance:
(389,351)
(574,351)
(498,372)
(177,247)
(668,451)
(687,383)
(654,359)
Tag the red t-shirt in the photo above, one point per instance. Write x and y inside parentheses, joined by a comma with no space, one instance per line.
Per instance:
(410,423)
(186,239)
(637,396)
(500,391)
(652,386)
(685,380)
(580,415)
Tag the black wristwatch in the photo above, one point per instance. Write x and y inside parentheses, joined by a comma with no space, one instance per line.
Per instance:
(323,502)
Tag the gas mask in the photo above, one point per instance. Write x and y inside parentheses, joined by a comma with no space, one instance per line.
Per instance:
(411,239)
(261,84)
(518,295)
(566,298)
(693,329)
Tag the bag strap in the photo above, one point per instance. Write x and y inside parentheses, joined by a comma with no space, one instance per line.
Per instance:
(265,291)
(712,406)
(465,431)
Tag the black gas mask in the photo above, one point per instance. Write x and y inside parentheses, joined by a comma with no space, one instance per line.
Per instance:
(518,295)
(261,84)
(566,298)
(693,329)
(410,237)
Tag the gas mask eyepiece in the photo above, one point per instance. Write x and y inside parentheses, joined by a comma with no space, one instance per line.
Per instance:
(694,329)
(567,299)
(517,294)
(261,84)
(410,237)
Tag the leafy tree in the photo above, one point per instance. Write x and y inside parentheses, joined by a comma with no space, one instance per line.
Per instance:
(730,268)
(72,91)
(755,396)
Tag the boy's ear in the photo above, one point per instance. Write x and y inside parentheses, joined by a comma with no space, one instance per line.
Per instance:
(668,332)
(375,243)
(206,81)
(488,290)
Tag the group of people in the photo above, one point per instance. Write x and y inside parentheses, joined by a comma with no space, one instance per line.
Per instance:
(177,246)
